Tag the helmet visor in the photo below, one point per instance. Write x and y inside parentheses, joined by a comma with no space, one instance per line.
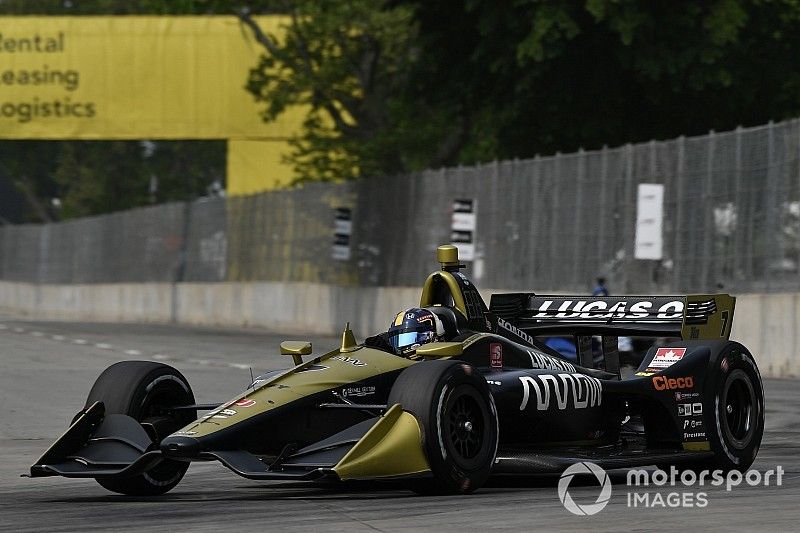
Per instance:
(402,341)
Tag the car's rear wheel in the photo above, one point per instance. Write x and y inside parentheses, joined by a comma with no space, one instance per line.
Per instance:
(456,412)
(146,391)
(733,410)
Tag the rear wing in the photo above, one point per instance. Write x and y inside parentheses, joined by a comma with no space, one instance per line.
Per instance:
(706,316)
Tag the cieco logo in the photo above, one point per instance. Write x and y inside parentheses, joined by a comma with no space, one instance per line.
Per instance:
(591,508)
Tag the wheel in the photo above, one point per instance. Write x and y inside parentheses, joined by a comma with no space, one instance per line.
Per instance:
(453,405)
(733,407)
(144,390)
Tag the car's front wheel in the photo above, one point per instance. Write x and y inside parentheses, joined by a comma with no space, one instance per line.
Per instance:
(456,412)
(146,391)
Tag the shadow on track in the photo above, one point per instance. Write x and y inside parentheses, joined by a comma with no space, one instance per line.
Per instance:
(333,491)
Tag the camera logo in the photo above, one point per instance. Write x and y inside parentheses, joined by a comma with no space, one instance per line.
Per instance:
(588,509)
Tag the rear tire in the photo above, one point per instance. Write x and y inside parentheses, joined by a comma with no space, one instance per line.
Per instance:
(456,412)
(733,408)
(144,390)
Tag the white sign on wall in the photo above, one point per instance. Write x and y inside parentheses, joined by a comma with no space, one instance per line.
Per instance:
(649,221)
(463,226)
(342,229)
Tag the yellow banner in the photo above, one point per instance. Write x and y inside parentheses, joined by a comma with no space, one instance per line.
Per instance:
(257,165)
(132,78)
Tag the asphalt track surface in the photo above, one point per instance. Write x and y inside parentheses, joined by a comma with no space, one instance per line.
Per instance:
(47,368)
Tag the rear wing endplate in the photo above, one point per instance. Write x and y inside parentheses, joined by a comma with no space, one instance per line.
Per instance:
(697,316)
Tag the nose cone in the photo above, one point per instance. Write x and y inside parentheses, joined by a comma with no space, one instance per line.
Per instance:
(180,447)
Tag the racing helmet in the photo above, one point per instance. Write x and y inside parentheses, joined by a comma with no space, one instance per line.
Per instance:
(412,328)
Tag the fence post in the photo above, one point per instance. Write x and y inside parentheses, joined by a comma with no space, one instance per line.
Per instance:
(629,220)
(180,268)
(680,214)
(709,243)
(603,208)
(771,208)
(739,259)
(578,258)
(536,216)
(554,225)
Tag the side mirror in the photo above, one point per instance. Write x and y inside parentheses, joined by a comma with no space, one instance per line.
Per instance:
(436,350)
(296,349)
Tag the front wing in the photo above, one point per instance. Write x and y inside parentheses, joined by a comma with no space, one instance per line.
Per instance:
(116,446)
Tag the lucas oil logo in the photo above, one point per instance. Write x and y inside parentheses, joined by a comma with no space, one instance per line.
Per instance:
(601,309)
(576,390)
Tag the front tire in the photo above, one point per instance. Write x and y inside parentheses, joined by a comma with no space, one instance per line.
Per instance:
(456,412)
(145,391)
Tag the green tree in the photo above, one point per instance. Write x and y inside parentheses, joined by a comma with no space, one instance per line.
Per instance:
(557,75)
(350,63)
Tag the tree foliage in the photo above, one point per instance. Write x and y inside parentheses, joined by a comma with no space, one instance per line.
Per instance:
(476,80)
(558,75)
(400,85)
(350,63)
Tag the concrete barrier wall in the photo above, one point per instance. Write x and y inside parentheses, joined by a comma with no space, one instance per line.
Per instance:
(289,307)
(766,323)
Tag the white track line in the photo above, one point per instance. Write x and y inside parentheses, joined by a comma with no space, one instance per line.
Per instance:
(133,352)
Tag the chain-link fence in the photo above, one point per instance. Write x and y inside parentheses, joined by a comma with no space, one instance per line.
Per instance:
(731,220)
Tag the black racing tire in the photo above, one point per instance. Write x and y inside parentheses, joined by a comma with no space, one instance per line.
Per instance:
(143,390)
(733,410)
(457,415)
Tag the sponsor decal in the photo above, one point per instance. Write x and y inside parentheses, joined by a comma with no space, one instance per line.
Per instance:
(686,395)
(349,360)
(516,331)
(665,383)
(496,355)
(245,402)
(223,414)
(666,357)
(358,391)
(604,310)
(645,374)
(313,368)
(495,383)
(692,424)
(584,391)
(696,435)
(543,361)
(463,278)
(184,433)
(690,409)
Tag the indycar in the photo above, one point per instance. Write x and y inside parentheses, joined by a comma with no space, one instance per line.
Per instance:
(490,398)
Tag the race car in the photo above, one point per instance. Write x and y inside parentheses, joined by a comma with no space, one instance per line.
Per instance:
(487,399)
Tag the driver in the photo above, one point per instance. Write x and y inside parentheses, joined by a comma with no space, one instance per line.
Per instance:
(410,329)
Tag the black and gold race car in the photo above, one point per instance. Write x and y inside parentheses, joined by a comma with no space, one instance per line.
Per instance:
(489,399)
